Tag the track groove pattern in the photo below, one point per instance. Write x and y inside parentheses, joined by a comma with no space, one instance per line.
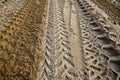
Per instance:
(101,59)
(58,64)
(8,8)
(98,48)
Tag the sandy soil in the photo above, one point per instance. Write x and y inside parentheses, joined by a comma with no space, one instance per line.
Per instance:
(115,28)
(73,23)
(8,7)
(20,42)
(22,53)
(76,40)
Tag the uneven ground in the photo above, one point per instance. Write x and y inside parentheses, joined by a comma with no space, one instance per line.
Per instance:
(80,43)
(60,40)
(110,8)
(20,42)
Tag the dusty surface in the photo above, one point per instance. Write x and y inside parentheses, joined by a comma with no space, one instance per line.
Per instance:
(98,36)
(113,32)
(60,40)
(72,22)
(63,51)
(110,9)
(20,42)
(75,39)
(8,7)
(78,43)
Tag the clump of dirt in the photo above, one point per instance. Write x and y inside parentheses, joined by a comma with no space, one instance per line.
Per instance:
(20,42)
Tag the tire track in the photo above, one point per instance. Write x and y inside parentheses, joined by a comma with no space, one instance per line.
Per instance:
(8,8)
(58,63)
(98,49)
(48,65)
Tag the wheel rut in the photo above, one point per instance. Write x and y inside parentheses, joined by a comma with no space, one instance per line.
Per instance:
(76,44)
(60,54)
(98,48)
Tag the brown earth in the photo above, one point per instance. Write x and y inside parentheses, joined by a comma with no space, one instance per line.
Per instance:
(20,42)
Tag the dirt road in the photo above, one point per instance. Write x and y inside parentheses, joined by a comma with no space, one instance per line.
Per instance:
(76,44)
